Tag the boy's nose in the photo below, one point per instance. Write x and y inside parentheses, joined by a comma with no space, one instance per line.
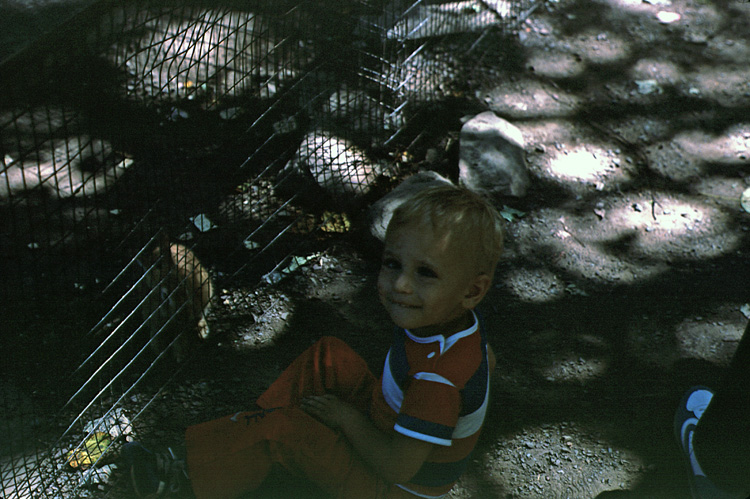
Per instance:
(402,284)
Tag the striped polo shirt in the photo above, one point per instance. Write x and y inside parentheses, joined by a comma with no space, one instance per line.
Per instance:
(436,390)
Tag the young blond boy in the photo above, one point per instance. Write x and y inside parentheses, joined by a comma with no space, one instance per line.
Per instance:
(328,418)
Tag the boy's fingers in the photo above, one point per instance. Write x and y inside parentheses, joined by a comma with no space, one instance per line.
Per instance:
(318,399)
(316,408)
(313,404)
(311,401)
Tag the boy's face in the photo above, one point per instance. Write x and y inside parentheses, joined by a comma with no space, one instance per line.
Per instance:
(426,285)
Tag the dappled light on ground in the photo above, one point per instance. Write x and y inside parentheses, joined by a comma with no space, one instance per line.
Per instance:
(578,371)
(623,240)
(590,164)
(531,99)
(556,64)
(732,146)
(662,71)
(630,6)
(528,456)
(712,341)
(664,228)
(533,285)
(599,46)
(634,114)
(720,84)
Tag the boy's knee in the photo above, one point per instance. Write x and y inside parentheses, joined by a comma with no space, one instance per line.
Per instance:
(334,346)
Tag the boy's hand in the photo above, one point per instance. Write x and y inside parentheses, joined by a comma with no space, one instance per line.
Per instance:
(329,409)
(395,457)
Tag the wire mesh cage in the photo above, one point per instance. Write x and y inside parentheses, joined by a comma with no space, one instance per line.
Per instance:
(151,149)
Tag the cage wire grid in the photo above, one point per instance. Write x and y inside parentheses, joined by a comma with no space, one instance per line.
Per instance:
(154,150)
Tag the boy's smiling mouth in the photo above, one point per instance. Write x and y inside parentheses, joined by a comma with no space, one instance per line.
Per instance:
(402,305)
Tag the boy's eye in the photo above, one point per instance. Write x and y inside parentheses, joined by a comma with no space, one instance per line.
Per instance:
(391,263)
(426,272)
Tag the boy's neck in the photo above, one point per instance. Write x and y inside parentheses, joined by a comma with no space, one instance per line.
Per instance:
(446,329)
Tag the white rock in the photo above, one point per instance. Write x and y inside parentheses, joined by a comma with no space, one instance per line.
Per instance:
(202,222)
(339,167)
(665,17)
(492,159)
(646,87)
(99,476)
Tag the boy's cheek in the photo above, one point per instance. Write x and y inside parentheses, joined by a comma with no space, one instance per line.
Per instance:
(381,294)
(382,287)
(386,304)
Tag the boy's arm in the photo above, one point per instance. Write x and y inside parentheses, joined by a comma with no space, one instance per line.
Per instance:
(396,458)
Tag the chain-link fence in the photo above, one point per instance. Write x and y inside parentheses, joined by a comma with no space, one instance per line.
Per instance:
(151,148)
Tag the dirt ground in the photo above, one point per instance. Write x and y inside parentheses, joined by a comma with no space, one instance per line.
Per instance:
(626,265)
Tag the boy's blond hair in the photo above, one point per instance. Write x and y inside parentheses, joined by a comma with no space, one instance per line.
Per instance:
(459,215)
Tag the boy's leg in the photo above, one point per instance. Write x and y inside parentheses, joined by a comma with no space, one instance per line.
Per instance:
(231,456)
(722,435)
(234,454)
(228,456)
(329,366)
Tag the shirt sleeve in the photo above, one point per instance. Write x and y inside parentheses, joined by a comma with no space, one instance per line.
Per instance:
(430,409)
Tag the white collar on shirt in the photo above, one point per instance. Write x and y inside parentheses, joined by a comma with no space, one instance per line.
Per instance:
(446,343)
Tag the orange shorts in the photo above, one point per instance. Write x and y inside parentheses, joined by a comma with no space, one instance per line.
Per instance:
(233,455)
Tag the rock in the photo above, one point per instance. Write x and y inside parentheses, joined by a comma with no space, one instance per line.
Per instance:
(666,17)
(338,166)
(491,160)
(647,87)
(380,212)
(359,112)
(78,166)
(101,475)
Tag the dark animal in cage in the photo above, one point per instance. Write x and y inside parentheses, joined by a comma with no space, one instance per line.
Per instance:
(179,294)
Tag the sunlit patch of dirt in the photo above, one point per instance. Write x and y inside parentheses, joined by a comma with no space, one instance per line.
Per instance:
(530,99)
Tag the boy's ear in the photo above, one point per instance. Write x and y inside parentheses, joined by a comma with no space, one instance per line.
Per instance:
(476,291)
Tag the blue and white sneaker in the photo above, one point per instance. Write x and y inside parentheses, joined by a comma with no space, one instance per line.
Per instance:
(691,408)
(154,475)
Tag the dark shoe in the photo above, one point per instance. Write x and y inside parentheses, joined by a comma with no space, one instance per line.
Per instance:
(690,410)
(155,474)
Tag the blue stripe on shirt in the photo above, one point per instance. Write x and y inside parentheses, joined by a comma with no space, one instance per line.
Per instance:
(433,432)
(397,361)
